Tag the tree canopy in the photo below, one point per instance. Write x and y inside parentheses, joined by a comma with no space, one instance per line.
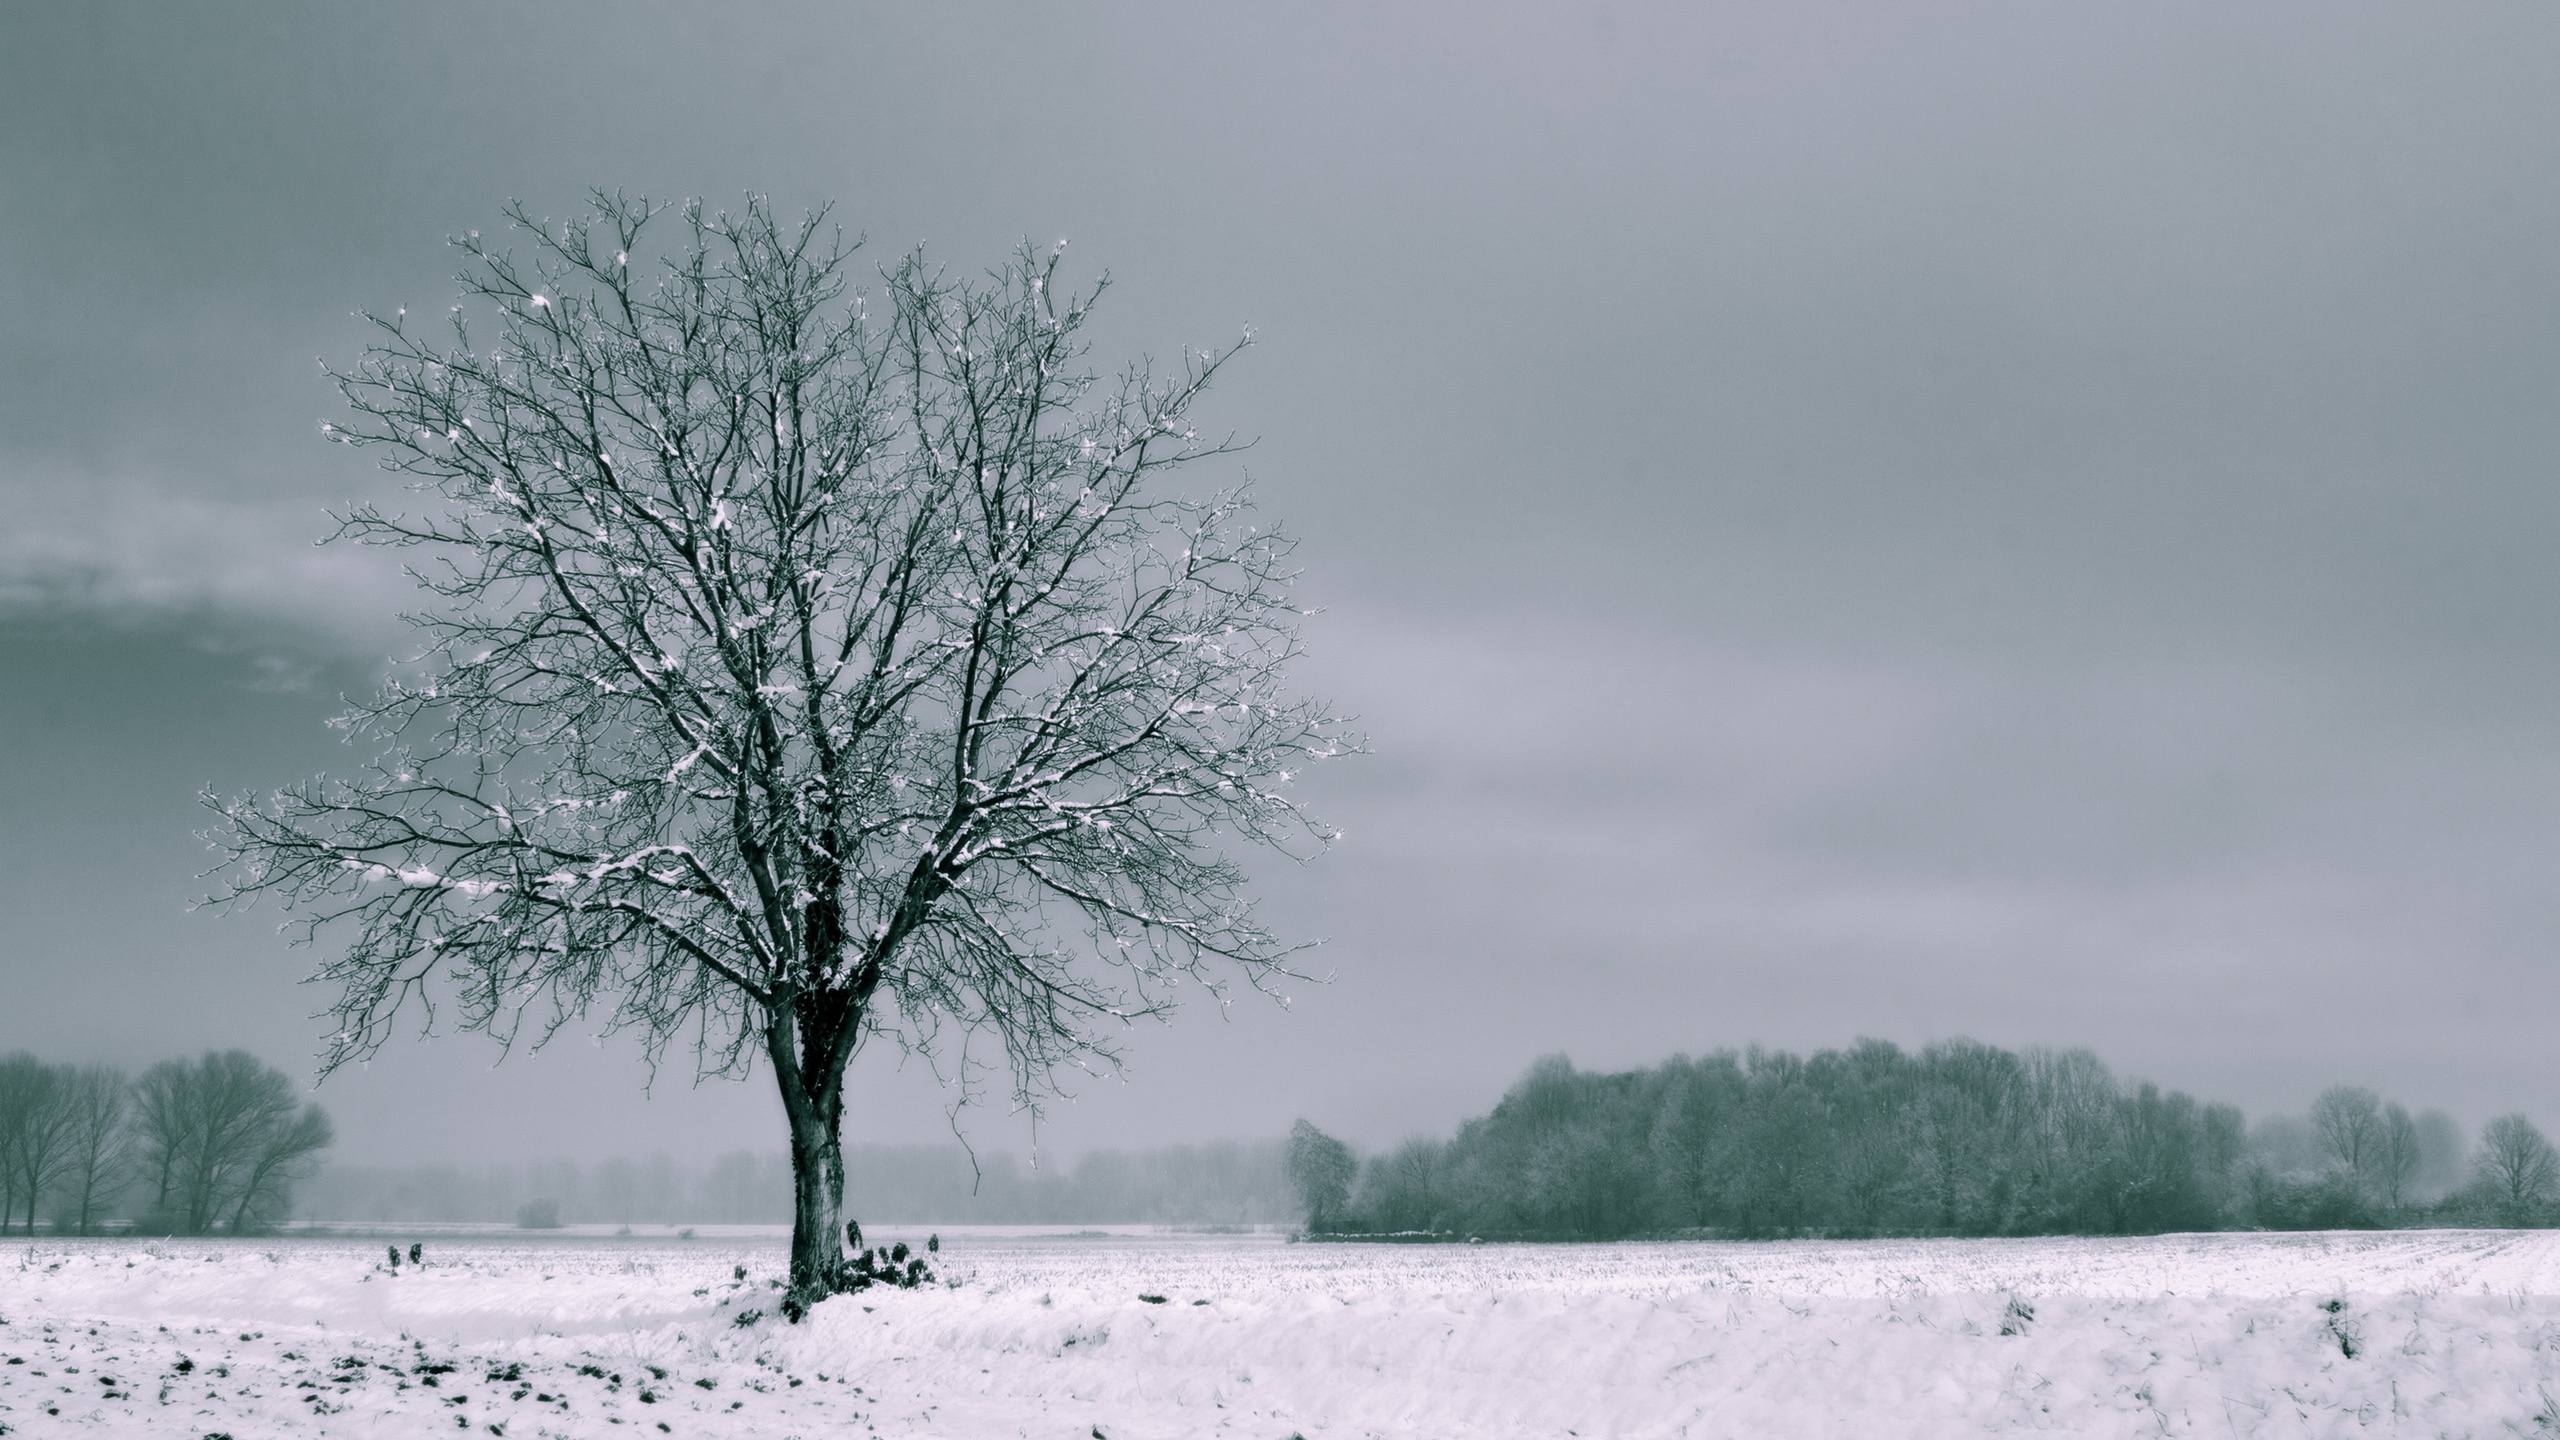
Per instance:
(802,664)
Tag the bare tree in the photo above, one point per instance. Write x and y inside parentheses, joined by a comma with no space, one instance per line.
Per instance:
(165,1124)
(2395,1157)
(1321,1170)
(797,673)
(2517,1166)
(2068,1103)
(35,1131)
(225,1136)
(230,1105)
(2349,1120)
(280,1151)
(1691,1135)
(99,1140)
(1400,1191)
(19,1093)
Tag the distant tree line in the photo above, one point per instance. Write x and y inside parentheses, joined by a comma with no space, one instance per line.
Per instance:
(191,1147)
(1958,1138)
(1224,1183)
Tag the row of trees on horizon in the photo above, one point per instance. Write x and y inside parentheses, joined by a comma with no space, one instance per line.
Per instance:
(1958,1138)
(188,1148)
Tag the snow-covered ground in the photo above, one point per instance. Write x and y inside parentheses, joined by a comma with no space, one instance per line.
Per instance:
(2425,1333)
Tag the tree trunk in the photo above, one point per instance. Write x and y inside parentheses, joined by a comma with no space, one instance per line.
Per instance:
(817,1210)
(201,1200)
(813,1102)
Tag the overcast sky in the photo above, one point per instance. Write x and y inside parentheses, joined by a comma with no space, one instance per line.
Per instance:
(2035,521)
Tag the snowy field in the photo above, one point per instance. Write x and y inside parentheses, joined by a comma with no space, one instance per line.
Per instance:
(2431,1333)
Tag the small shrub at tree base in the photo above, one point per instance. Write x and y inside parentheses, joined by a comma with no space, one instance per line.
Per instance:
(882,1265)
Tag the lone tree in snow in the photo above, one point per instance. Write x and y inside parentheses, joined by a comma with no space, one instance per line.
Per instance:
(801,668)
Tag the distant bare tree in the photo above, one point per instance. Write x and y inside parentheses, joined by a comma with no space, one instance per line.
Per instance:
(2221,1148)
(226,1136)
(1872,1129)
(20,1092)
(1321,1169)
(2349,1119)
(99,1140)
(35,1131)
(1690,1134)
(164,1128)
(2517,1166)
(1967,1120)
(284,1150)
(2395,1157)
(1401,1190)
(797,673)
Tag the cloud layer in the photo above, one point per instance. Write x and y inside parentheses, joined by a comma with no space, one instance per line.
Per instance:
(2034,523)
